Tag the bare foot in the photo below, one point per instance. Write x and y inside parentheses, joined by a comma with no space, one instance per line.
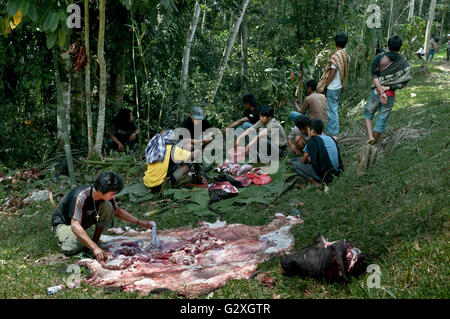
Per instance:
(372,141)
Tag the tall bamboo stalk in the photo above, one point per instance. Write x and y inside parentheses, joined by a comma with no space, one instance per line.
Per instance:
(244,49)
(227,51)
(185,60)
(64,132)
(88,76)
(102,92)
(429,25)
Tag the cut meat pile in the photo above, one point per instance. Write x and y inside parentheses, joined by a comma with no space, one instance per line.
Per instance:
(235,168)
(190,261)
(245,174)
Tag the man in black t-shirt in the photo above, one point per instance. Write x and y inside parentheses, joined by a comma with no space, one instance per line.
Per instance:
(196,124)
(85,206)
(251,114)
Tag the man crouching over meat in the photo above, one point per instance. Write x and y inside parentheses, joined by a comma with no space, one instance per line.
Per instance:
(85,206)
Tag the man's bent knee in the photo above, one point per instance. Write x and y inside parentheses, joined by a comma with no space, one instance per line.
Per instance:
(72,250)
(106,214)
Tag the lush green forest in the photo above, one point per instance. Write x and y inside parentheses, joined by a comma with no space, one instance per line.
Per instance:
(142,51)
(68,67)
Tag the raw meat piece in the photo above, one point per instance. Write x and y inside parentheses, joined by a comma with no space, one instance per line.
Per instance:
(245,181)
(225,186)
(228,178)
(191,261)
(219,191)
(233,168)
(244,169)
(259,179)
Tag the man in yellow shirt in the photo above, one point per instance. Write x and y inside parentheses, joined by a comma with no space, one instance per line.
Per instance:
(164,160)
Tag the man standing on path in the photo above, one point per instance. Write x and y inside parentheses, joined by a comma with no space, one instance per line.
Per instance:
(434,46)
(390,71)
(333,80)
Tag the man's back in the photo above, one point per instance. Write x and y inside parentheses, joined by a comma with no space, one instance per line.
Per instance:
(434,44)
(332,150)
(317,105)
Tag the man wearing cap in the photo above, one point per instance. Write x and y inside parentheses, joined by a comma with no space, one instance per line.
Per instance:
(196,124)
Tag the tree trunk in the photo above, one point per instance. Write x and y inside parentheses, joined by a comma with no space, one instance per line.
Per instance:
(185,60)
(300,84)
(203,20)
(213,31)
(420,8)
(102,92)
(411,10)
(391,20)
(231,19)
(227,51)
(88,76)
(429,25)
(63,131)
(65,91)
(76,106)
(133,56)
(136,88)
(117,88)
(442,23)
(244,33)
(147,84)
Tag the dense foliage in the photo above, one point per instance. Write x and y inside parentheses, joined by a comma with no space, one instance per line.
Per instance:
(281,34)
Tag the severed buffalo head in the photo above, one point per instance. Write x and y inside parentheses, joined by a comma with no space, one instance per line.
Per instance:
(333,261)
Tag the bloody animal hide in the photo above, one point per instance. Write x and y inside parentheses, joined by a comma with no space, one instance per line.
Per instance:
(333,261)
(190,261)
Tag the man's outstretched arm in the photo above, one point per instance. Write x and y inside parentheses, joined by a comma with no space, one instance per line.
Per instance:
(126,216)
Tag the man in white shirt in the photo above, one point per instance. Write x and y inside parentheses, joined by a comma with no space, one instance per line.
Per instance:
(334,80)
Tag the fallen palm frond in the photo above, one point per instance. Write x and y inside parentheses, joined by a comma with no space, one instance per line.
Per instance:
(356,137)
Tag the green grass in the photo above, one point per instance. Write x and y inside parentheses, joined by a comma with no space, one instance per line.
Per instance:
(397,215)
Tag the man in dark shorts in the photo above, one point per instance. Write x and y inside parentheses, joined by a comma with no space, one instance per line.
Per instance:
(85,206)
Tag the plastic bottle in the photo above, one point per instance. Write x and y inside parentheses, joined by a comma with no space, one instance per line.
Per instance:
(54,289)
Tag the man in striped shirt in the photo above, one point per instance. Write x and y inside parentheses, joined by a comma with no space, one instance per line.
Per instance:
(85,206)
